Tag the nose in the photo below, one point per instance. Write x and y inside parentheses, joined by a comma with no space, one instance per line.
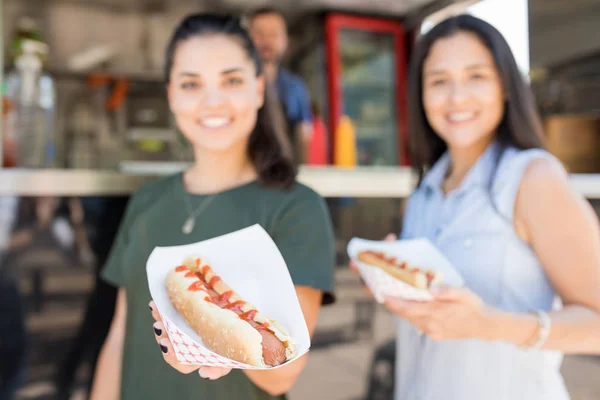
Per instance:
(212,97)
(458,93)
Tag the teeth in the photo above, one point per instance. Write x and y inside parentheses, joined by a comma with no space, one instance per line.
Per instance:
(214,122)
(462,116)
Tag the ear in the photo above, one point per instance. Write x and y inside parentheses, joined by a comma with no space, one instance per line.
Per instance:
(260,91)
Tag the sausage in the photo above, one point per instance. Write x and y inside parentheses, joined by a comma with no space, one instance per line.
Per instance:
(274,352)
(209,288)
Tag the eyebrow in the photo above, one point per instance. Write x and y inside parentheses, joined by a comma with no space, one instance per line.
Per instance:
(231,70)
(189,74)
(472,66)
(195,75)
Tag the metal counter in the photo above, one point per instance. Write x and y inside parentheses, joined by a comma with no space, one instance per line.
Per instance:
(328,181)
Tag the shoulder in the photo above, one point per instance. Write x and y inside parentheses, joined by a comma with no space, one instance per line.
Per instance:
(298,195)
(530,167)
(516,161)
(544,190)
(293,80)
(543,177)
(294,207)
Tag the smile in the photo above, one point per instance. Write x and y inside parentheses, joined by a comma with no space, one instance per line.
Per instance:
(458,117)
(214,122)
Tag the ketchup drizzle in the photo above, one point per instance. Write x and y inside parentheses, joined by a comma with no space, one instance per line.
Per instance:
(236,306)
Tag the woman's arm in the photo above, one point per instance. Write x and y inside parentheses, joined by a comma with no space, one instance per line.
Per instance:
(107,380)
(563,230)
(280,380)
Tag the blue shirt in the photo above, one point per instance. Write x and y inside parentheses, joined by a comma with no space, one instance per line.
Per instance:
(294,97)
(473,227)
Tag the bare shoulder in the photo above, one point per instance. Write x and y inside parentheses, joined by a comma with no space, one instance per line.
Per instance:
(546,197)
(544,170)
(544,179)
(543,191)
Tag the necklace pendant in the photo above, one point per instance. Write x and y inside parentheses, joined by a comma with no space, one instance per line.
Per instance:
(188,226)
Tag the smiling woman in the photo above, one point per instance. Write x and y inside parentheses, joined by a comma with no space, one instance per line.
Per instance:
(502,211)
(240,177)
(214,93)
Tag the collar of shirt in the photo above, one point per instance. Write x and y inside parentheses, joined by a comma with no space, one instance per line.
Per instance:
(478,175)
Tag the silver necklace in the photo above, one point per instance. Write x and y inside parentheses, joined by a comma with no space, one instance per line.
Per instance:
(190,223)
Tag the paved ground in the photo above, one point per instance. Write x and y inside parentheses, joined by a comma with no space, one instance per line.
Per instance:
(341,372)
(338,372)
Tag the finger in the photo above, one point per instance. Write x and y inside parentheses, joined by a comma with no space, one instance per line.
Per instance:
(448,293)
(159,331)
(353,266)
(155,313)
(213,372)
(390,237)
(407,308)
(170,357)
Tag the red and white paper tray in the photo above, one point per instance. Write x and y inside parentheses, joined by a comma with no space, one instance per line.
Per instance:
(419,252)
(250,263)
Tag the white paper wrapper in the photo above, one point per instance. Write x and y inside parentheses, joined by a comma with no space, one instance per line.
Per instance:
(420,252)
(250,263)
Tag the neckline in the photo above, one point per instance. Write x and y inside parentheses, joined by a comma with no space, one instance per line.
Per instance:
(232,189)
(477,175)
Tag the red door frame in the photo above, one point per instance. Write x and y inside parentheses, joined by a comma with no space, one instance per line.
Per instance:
(333,23)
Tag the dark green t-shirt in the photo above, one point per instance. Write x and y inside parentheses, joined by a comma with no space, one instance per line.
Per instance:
(298,221)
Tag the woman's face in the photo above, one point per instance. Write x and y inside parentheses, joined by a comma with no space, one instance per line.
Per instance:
(214,92)
(462,91)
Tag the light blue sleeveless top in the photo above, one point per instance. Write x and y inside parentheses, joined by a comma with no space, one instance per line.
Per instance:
(478,237)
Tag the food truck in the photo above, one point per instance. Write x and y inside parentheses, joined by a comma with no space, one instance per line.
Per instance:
(101,129)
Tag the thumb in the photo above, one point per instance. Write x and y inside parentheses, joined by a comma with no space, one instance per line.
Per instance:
(391,237)
(449,293)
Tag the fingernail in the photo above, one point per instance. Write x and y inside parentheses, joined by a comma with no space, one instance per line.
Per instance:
(157,331)
(164,349)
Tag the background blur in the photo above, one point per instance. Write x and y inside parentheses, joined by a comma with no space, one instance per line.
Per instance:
(99,127)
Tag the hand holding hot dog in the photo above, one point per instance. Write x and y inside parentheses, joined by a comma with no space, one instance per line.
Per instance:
(169,354)
(455,313)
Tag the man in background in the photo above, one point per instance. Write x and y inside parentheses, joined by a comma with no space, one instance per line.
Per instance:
(268,29)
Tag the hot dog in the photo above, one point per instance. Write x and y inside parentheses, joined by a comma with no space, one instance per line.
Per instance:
(414,276)
(226,323)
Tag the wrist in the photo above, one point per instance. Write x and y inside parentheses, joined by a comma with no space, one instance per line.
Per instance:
(491,325)
(502,326)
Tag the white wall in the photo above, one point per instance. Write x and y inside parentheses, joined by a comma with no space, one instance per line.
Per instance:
(510,17)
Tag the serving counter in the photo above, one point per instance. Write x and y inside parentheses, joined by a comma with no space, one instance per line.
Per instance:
(360,182)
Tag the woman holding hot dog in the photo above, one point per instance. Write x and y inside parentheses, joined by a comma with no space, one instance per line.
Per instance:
(240,177)
(502,211)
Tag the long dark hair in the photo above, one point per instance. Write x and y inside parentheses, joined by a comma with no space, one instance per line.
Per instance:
(267,143)
(520,126)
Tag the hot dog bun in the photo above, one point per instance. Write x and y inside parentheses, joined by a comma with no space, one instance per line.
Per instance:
(414,276)
(239,333)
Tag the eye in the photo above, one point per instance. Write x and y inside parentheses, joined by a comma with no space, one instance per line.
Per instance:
(438,82)
(477,76)
(189,85)
(233,81)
